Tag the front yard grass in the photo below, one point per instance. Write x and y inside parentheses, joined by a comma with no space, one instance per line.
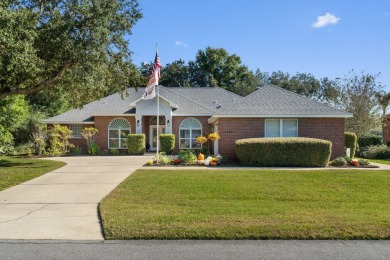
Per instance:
(382,161)
(249,204)
(15,170)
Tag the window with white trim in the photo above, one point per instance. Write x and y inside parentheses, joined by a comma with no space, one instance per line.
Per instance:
(76,131)
(189,129)
(281,128)
(118,130)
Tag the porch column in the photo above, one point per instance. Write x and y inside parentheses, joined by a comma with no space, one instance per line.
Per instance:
(138,124)
(216,141)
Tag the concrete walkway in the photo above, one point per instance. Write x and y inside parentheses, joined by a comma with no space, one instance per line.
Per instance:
(63,203)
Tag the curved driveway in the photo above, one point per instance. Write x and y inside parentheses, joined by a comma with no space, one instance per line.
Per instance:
(63,204)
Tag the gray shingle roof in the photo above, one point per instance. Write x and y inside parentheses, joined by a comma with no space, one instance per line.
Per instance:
(190,101)
(268,101)
(271,101)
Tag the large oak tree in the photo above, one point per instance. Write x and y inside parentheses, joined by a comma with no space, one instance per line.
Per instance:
(78,46)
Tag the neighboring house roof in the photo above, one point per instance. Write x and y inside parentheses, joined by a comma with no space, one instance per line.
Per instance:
(271,101)
(268,101)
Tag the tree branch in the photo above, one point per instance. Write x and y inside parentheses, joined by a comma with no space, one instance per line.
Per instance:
(44,84)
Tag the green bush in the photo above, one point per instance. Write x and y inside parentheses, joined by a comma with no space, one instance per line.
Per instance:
(136,144)
(295,151)
(114,151)
(350,141)
(167,142)
(369,140)
(339,162)
(376,152)
(187,156)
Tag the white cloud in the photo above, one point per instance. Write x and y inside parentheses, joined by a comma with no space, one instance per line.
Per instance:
(179,43)
(325,20)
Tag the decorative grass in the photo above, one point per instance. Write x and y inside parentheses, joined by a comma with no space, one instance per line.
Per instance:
(15,170)
(263,204)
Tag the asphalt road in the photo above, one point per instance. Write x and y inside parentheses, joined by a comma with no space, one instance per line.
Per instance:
(189,249)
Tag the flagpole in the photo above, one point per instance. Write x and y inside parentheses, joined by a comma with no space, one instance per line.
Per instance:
(158,112)
(158,119)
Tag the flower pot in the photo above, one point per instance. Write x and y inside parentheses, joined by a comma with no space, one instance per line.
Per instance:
(213,163)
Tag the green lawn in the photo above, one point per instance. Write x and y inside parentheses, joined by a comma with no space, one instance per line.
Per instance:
(263,204)
(15,170)
(383,161)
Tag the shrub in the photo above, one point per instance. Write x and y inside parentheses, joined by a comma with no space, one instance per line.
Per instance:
(89,134)
(136,144)
(363,162)
(40,138)
(350,141)
(167,142)
(59,140)
(354,163)
(93,149)
(339,162)
(75,151)
(176,161)
(149,162)
(205,151)
(347,159)
(376,152)
(369,140)
(114,151)
(296,151)
(165,160)
(187,156)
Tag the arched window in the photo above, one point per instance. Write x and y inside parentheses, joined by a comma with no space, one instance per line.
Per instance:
(118,130)
(189,129)
(161,121)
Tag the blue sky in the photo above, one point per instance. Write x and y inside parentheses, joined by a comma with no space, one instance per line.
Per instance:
(327,38)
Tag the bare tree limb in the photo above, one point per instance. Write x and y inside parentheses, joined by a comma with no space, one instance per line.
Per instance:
(44,84)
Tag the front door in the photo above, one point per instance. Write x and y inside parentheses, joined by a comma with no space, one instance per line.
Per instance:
(153,136)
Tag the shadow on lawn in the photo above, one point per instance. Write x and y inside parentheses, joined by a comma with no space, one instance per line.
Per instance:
(7,163)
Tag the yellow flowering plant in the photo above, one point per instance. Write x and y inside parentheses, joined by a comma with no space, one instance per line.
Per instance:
(201,139)
(213,136)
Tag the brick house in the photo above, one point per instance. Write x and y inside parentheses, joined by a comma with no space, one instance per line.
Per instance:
(189,112)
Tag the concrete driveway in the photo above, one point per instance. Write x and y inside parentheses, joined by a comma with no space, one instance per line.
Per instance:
(63,203)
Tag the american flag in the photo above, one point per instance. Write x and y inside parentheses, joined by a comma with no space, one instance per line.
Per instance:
(150,90)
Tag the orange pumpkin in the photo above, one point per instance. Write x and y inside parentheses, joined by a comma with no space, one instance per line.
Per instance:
(200,156)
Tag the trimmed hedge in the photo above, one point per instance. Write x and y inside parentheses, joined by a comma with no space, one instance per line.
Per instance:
(167,142)
(136,144)
(296,151)
(350,141)
(369,140)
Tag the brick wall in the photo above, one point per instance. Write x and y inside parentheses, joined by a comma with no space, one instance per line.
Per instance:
(101,124)
(331,129)
(386,130)
(176,120)
(231,129)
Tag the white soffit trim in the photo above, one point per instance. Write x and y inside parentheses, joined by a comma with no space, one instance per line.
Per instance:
(171,104)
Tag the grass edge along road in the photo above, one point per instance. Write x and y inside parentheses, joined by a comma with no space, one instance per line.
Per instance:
(249,204)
